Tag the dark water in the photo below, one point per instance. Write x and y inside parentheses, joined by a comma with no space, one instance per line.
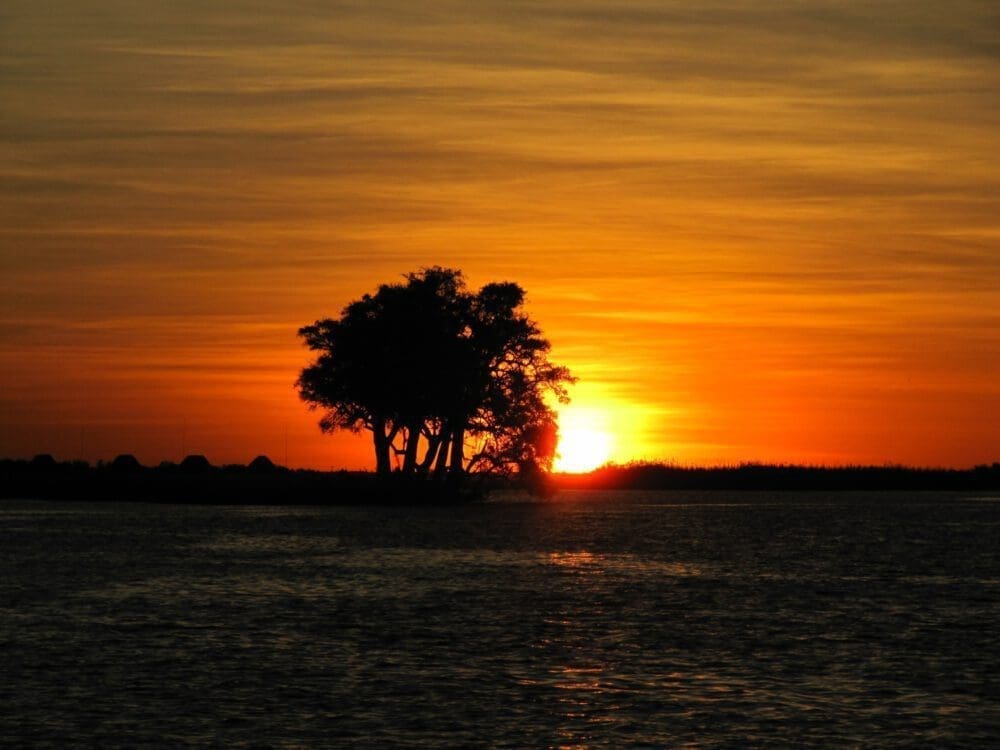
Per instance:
(628,620)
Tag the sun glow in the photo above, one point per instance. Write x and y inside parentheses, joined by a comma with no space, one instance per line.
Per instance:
(584,443)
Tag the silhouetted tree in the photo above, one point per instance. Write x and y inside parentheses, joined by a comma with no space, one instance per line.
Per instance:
(433,371)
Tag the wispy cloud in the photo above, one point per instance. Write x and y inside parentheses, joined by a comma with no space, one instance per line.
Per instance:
(702,199)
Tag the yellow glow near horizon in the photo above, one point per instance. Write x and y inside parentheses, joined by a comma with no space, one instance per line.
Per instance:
(584,440)
(582,450)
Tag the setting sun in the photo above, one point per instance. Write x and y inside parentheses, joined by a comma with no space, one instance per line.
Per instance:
(584,444)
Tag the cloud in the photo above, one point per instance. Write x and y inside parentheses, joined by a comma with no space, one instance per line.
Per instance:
(696,194)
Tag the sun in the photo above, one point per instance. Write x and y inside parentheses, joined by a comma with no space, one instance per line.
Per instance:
(582,449)
(585,441)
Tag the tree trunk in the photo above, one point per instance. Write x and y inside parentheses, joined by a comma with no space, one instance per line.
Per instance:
(442,458)
(433,444)
(383,467)
(458,449)
(412,441)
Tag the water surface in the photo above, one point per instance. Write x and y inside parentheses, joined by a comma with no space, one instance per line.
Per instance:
(597,620)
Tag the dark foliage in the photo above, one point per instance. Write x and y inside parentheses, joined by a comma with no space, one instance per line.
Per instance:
(126,462)
(259,482)
(448,381)
(751,476)
(76,480)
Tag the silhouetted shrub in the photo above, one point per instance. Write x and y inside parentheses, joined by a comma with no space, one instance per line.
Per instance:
(195,464)
(262,465)
(126,462)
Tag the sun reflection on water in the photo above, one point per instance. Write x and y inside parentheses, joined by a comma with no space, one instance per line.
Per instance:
(575,559)
(598,563)
(582,665)
(589,653)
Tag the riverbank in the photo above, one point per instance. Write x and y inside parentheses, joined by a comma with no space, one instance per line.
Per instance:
(195,480)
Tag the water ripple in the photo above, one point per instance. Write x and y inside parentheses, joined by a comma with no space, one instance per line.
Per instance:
(602,622)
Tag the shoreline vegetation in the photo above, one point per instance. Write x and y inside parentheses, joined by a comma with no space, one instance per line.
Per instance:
(196,480)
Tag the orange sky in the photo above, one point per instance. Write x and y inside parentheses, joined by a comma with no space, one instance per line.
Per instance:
(756,231)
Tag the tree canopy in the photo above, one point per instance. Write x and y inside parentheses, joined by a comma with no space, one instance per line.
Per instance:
(448,381)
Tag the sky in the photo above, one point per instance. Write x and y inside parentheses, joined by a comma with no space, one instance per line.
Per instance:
(756,231)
